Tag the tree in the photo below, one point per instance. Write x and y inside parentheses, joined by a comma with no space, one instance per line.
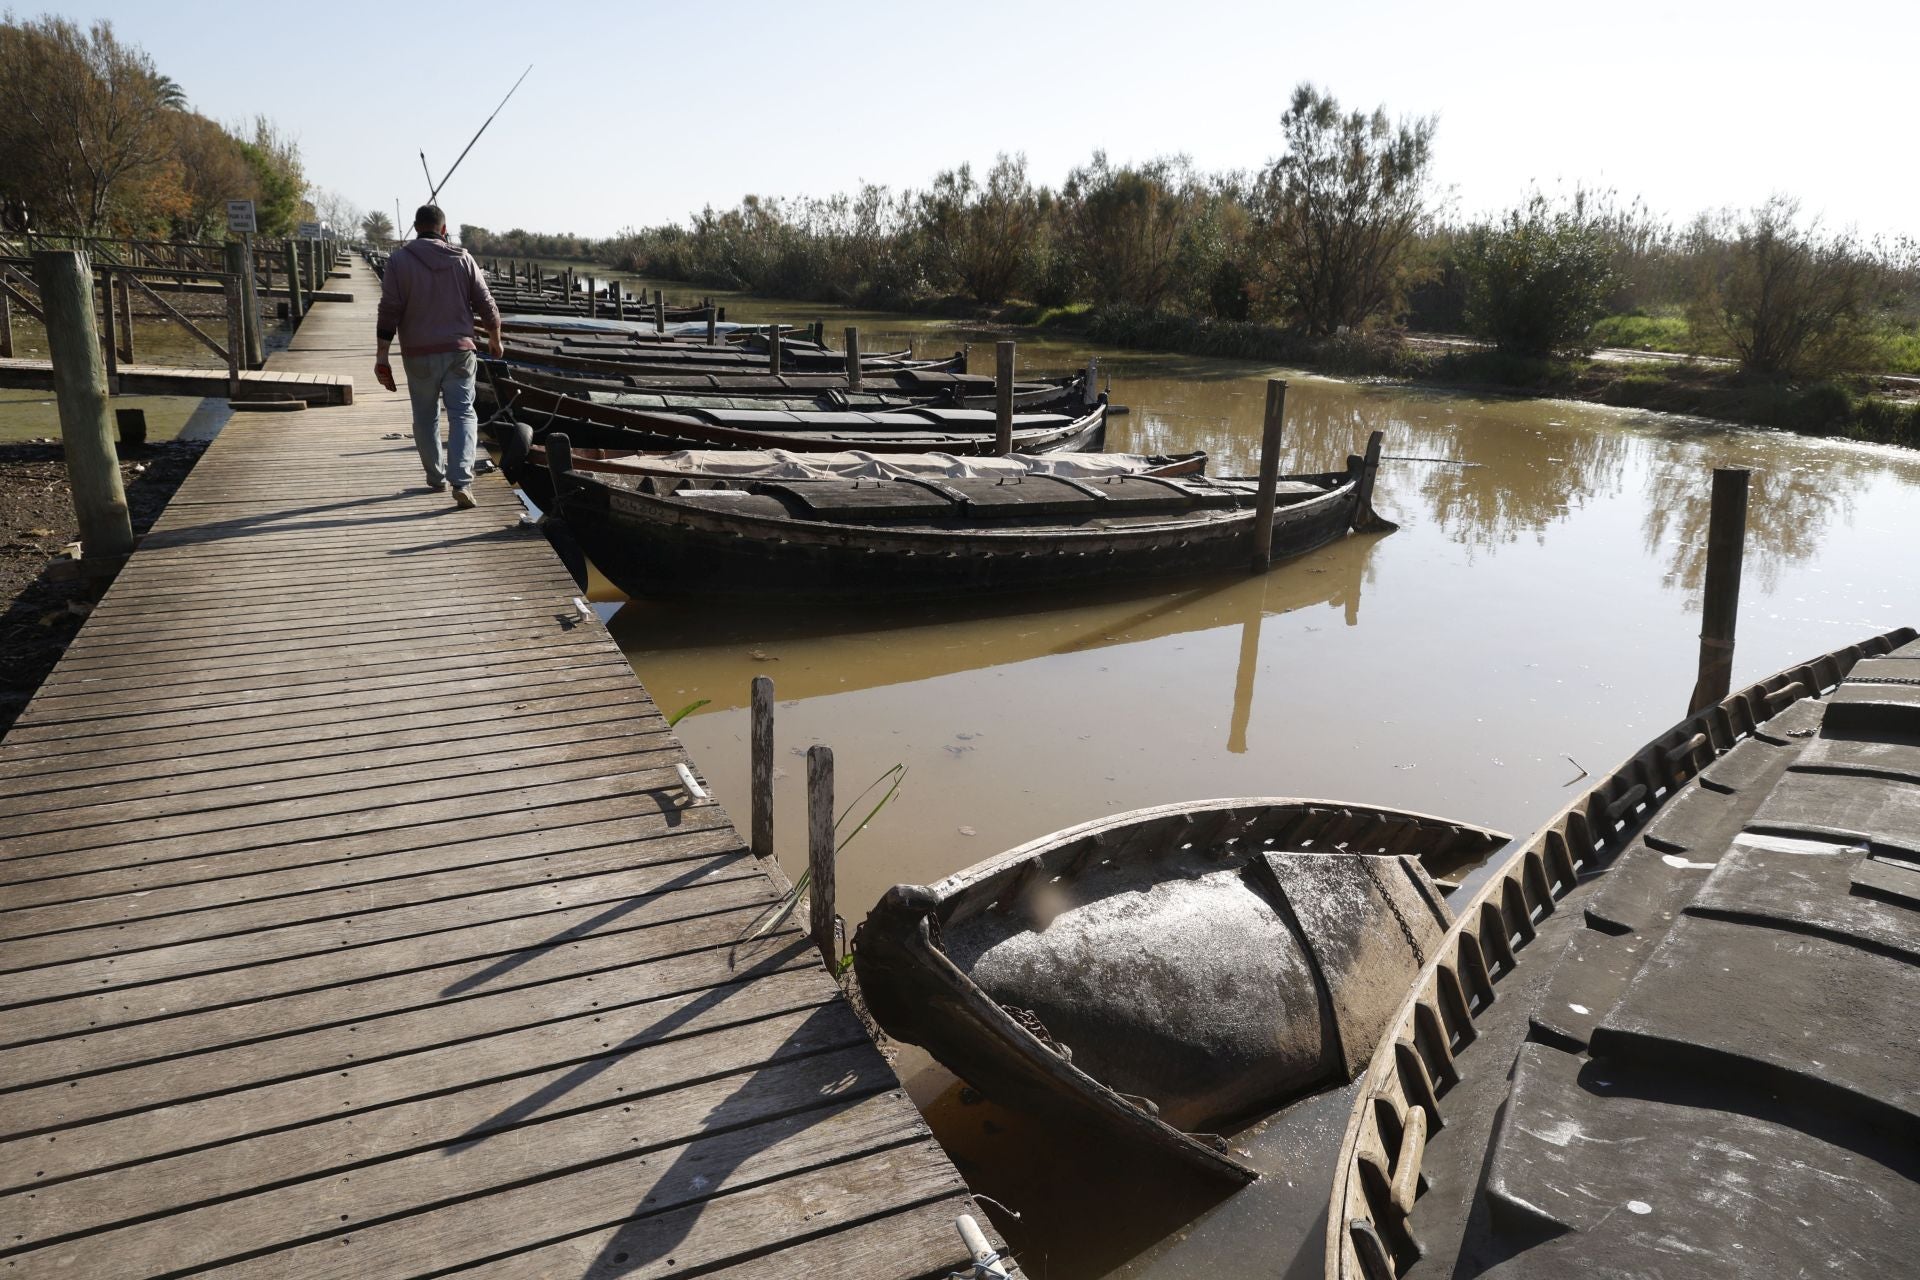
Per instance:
(333,210)
(1124,226)
(280,200)
(1340,210)
(980,235)
(1539,280)
(86,122)
(1788,298)
(378,228)
(214,170)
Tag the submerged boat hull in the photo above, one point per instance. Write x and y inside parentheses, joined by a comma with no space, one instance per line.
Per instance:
(1167,970)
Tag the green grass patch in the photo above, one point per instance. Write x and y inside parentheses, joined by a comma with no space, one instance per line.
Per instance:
(1639,331)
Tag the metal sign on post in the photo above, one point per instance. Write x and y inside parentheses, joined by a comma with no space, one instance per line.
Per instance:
(240,217)
(308,231)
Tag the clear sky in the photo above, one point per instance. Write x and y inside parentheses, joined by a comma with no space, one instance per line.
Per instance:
(638,113)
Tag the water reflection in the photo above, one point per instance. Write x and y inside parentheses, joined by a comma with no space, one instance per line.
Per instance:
(1534,616)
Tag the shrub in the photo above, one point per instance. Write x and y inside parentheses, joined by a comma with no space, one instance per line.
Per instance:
(1538,280)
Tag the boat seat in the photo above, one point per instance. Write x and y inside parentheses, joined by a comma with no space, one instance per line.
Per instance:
(860,503)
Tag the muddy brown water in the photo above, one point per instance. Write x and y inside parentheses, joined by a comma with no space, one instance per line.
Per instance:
(1533,622)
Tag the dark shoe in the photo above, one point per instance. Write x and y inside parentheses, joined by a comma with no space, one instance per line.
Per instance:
(436,486)
(463,497)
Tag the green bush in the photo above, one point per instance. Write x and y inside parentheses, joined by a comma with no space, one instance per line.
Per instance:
(1538,281)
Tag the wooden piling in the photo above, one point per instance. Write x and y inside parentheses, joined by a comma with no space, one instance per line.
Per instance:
(820,333)
(109,342)
(1003,398)
(820,853)
(6,327)
(713,327)
(1269,474)
(1720,608)
(123,302)
(239,261)
(296,300)
(1090,389)
(236,336)
(80,387)
(132,425)
(660,319)
(761,766)
(593,299)
(773,349)
(853,357)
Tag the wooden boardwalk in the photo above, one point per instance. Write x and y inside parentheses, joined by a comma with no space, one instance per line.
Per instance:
(354,920)
(289,380)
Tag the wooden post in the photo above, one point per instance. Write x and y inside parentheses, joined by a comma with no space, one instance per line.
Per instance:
(123,299)
(1090,389)
(713,327)
(109,340)
(773,349)
(820,852)
(133,427)
(296,301)
(854,378)
(240,260)
(1003,398)
(236,336)
(1720,610)
(6,326)
(660,318)
(761,763)
(593,298)
(1269,473)
(820,333)
(80,386)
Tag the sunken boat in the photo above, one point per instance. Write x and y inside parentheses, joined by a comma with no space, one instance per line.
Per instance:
(919,535)
(531,413)
(1164,976)
(1673,1035)
(530,470)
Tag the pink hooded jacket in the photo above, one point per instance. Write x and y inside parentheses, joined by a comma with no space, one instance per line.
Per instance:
(429,295)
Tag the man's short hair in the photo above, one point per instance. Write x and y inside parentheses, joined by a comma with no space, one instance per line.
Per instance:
(428,218)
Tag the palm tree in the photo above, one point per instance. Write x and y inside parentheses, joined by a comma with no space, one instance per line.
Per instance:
(169,94)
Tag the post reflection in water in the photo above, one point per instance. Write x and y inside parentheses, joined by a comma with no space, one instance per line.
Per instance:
(1536,606)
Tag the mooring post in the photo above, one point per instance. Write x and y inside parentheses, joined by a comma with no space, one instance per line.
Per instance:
(1003,398)
(820,333)
(773,349)
(109,343)
(820,852)
(1720,609)
(713,327)
(593,298)
(80,387)
(1269,473)
(236,335)
(853,357)
(6,326)
(240,262)
(296,300)
(123,299)
(1090,389)
(660,319)
(761,764)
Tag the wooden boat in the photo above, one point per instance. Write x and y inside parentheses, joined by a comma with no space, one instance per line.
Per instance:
(903,536)
(1674,1034)
(823,392)
(1163,975)
(533,413)
(689,359)
(530,471)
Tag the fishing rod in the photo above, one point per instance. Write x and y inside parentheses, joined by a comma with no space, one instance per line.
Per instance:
(433,188)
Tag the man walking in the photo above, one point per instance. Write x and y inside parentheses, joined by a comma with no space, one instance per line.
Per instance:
(429,295)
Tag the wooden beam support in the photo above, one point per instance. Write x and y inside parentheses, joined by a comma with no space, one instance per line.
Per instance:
(80,386)
(1720,608)
(1270,432)
(1003,364)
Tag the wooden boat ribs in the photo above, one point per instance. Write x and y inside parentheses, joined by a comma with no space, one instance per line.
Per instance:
(1401,1104)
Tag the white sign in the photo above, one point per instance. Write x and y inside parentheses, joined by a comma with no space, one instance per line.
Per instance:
(240,216)
(309,231)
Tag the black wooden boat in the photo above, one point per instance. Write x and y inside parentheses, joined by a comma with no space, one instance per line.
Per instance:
(822,391)
(530,471)
(688,358)
(1674,1034)
(1165,975)
(830,537)
(530,413)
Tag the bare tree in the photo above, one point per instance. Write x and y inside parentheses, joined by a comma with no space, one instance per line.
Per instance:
(1341,208)
(85,119)
(1788,298)
(340,214)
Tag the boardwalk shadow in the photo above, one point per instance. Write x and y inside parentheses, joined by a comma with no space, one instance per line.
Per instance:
(573,933)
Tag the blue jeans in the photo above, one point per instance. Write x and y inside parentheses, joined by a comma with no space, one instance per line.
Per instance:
(446,376)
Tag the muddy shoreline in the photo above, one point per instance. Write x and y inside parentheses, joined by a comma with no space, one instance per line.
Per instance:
(39,613)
